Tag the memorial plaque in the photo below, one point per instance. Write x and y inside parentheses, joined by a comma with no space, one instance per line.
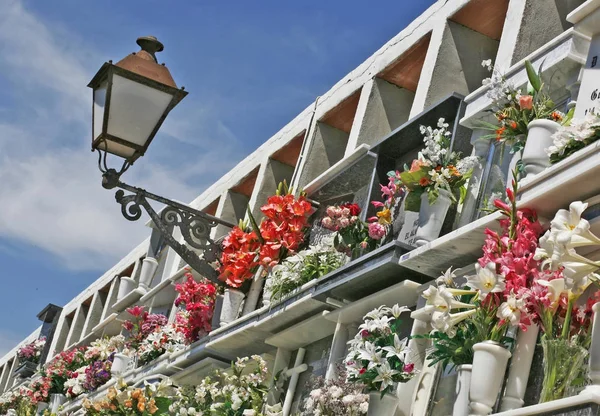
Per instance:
(588,99)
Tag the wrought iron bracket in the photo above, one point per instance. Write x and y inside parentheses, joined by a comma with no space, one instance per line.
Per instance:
(195,226)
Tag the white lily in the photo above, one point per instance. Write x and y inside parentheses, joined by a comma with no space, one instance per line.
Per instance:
(369,353)
(397,310)
(569,226)
(511,309)
(486,280)
(398,349)
(443,299)
(446,322)
(555,287)
(447,278)
(385,375)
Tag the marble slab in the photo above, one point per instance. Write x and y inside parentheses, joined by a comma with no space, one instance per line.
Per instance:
(585,404)
(306,332)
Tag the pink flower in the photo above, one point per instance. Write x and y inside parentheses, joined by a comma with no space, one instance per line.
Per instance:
(331,211)
(408,368)
(526,102)
(377,204)
(327,222)
(364,244)
(376,231)
(344,222)
(136,311)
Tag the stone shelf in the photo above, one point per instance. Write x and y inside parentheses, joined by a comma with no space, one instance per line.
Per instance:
(306,332)
(403,293)
(586,403)
(194,374)
(129,300)
(164,292)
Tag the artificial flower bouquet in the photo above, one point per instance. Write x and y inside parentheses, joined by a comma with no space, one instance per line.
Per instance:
(39,390)
(64,367)
(17,402)
(553,303)
(32,351)
(354,236)
(436,169)
(574,136)
(306,265)
(514,109)
(281,232)
(377,357)
(198,299)
(141,325)
(123,400)
(336,397)
(166,339)
(493,300)
(240,391)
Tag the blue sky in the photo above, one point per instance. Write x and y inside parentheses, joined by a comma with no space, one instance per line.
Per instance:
(249,66)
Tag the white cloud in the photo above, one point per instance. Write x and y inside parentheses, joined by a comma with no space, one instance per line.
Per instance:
(50,194)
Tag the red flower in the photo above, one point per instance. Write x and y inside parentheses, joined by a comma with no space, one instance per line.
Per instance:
(136,311)
(354,209)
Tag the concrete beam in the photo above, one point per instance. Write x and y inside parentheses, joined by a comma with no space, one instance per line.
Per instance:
(453,64)
(270,175)
(382,108)
(529,25)
(232,208)
(327,147)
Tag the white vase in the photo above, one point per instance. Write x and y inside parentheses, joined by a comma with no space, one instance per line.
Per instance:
(56,400)
(520,366)
(489,365)
(463,383)
(432,216)
(539,138)
(119,364)
(382,406)
(594,358)
(149,266)
(41,406)
(126,285)
(232,301)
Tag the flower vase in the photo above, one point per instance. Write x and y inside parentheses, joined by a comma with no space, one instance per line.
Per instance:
(119,364)
(41,406)
(520,368)
(56,400)
(594,361)
(539,137)
(432,216)
(563,361)
(232,302)
(489,365)
(126,285)
(463,382)
(382,406)
(149,266)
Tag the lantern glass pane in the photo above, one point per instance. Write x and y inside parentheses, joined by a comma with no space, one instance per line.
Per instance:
(98,108)
(135,110)
(116,149)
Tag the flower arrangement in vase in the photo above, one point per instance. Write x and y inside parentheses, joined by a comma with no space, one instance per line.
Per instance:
(198,299)
(32,351)
(437,169)
(165,339)
(240,391)
(492,302)
(356,237)
(574,136)
(379,358)
(336,397)
(521,115)
(63,368)
(552,300)
(306,265)
(280,233)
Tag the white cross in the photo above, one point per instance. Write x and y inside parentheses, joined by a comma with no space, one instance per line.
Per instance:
(293,373)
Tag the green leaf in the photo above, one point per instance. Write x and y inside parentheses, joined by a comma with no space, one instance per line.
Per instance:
(413,201)
(163,404)
(534,78)
(254,225)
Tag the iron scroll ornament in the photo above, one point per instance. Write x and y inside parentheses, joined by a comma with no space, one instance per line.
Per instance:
(195,226)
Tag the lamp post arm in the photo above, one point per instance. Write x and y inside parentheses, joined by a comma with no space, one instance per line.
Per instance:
(195,226)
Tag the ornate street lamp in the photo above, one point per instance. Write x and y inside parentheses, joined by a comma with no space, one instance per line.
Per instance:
(130,102)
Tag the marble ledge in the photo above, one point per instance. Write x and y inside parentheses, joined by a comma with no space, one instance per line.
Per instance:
(587,403)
